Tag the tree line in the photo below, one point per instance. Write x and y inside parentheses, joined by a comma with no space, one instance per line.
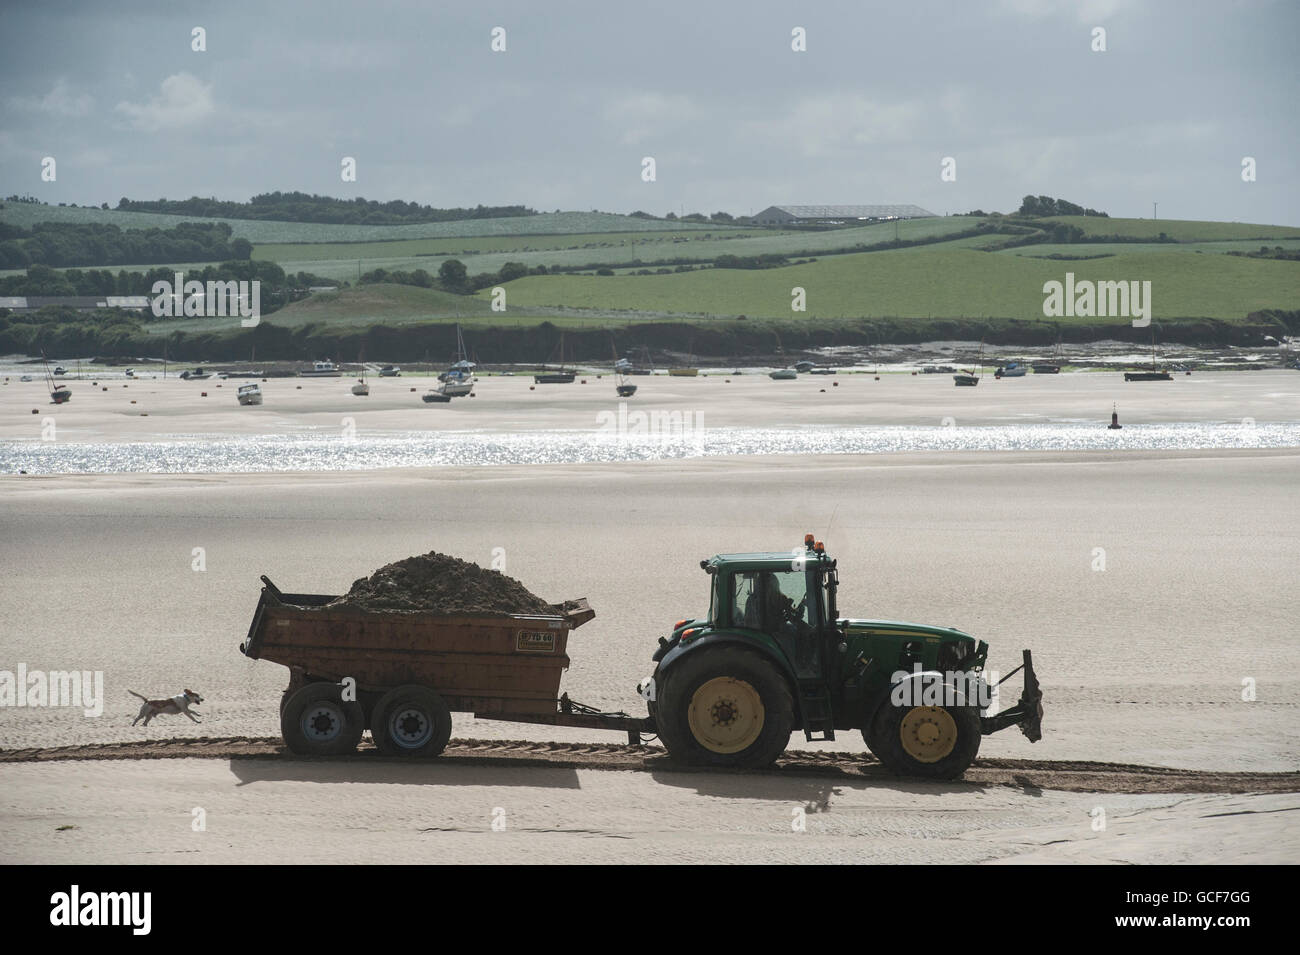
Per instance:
(1039,206)
(309,207)
(61,244)
(277,285)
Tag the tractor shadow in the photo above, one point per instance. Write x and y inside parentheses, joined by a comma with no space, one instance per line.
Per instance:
(812,788)
(368,766)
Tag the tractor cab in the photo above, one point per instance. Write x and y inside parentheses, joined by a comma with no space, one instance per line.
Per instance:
(787,598)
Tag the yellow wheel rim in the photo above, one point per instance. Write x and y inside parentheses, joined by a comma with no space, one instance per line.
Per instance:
(928,733)
(725,715)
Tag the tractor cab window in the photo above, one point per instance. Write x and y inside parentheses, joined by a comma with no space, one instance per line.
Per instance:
(776,602)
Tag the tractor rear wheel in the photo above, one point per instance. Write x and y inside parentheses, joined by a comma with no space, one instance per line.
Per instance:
(933,742)
(725,707)
(316,721)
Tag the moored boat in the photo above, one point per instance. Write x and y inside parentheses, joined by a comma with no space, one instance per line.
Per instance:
(322,369)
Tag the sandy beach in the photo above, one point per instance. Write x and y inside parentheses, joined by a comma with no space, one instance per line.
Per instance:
(1142,662)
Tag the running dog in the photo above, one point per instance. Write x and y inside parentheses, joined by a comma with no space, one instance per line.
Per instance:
(177,704)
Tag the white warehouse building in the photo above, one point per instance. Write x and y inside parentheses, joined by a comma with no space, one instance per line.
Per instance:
(838,215)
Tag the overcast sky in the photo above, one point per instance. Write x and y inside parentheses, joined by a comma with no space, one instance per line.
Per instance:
(734,118)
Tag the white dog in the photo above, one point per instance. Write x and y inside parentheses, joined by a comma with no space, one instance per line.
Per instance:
(177,704)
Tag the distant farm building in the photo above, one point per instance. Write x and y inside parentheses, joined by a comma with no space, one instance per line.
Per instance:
(837,215)
(30,303)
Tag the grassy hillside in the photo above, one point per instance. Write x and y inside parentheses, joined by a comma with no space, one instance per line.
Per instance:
(488,255)
(366,305)
(1184,230)
(921,284)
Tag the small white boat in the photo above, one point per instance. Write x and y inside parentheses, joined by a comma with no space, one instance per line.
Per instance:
(322,369)
(249,394)
(456,388)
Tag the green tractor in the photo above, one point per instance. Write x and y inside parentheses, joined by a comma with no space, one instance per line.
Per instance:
(774,656)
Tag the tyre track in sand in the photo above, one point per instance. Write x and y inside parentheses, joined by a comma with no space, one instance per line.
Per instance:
(1027,774)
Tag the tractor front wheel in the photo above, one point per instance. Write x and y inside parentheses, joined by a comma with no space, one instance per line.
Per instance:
(725,707)
(933,742)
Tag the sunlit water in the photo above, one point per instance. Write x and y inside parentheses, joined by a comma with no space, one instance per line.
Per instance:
(217,454)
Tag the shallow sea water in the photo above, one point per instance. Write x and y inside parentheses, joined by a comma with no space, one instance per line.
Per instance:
(224,454)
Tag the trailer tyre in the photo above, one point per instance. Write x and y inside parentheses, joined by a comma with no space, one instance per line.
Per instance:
(316,721)
(411,720)
(725,707)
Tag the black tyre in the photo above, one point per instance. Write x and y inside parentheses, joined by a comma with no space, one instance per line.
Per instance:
(875,734)
(316,721)
(725,707)
(411,721)
(933,742)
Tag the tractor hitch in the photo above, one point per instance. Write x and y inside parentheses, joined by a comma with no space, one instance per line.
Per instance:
(1028,711)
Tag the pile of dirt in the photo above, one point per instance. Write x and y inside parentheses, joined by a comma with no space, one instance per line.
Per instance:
(438,583)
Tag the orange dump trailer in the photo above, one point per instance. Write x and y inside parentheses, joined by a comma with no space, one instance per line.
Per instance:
(401,674)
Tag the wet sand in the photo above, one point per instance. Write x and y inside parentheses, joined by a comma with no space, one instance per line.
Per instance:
(296,406)
(1198,591)
(1142,662)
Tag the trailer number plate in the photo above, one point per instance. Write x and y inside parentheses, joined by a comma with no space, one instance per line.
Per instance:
(535,641)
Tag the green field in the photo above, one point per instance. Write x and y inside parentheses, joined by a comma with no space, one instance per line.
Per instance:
(1128,248)
(1184,230)
(479,245)
(27,214)
(345,262)
(924,284)
(948,278)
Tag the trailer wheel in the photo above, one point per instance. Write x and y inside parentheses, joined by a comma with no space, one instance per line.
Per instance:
(725,707)
(317,721)
(411,720)
(934,742)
